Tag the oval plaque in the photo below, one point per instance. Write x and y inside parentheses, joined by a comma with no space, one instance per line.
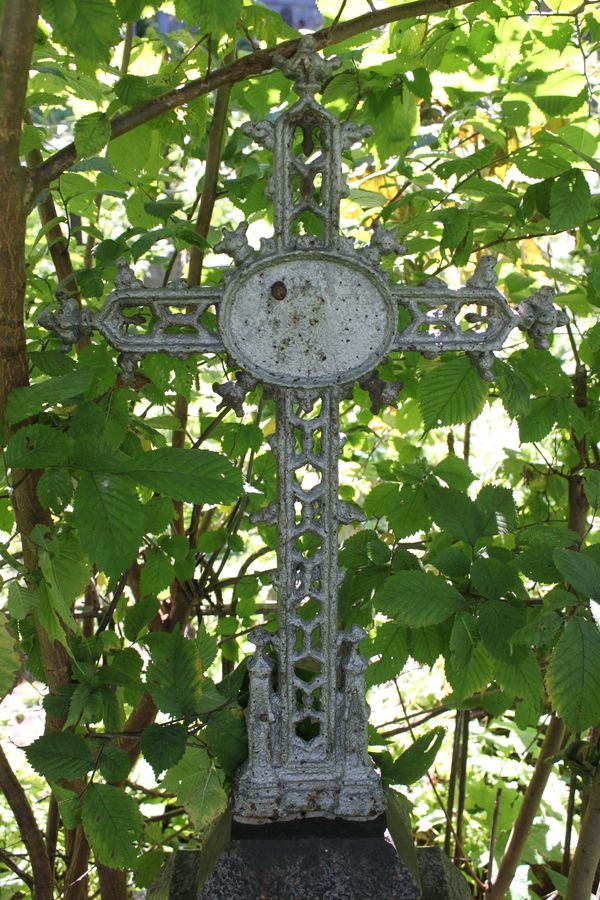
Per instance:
(307,318)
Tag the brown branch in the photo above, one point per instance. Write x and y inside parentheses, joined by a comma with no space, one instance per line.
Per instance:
(528,811)
(248,66)
(587,853)
(28,829)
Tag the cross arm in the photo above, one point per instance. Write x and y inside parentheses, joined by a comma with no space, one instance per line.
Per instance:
(139,320)
(475,318)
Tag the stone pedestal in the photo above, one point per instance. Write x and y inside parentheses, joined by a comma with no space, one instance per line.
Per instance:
(316,859)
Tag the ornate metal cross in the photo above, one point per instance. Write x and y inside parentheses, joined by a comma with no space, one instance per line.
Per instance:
(307,316)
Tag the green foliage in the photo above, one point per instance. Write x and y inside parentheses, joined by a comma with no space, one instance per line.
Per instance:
(112,823)
(163,745)
(573,676)
(415,762)
(145,564)
(61,755)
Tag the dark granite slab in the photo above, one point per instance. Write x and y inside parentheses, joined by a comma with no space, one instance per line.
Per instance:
(318,859)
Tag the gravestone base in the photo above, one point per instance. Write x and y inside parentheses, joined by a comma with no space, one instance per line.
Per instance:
(311,859)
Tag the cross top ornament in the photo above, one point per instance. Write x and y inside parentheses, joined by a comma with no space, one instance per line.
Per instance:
(306,316)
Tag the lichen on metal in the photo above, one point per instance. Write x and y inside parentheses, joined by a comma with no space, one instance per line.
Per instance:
(308,315)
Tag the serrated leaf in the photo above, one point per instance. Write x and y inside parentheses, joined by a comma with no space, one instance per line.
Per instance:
(493,579)
(157,573)
(60,755)
(163,745)
(591,479)
(197,786)
(570,198)
(580,570)
(55,489)
(198,476)
(114,764)
(112,823)
(417,599)
(497,624)
(472,677)
(109,519)
(415,762)
(11,659)
(27,401)
(124,669)
(215,16)
(455,472)
(139,616)
(37,446)
(520,676)
(92,133)
(456,513)
(573,676)
(389,645)
(87,27)
(451,393)
(498,510)
(207,647)
(173,676)
(21,600)
(225,735)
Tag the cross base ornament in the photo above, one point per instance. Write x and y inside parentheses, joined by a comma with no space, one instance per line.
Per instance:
(307,316)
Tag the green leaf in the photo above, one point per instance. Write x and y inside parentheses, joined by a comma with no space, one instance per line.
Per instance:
(198,476)
(173,673)
(162,209)
(451,393)
(87,27)
(573,676)
(197,786)
(114,764)
(55,489)
(215,16)
(124,668)
(415,762)
(591,479)
(21,600)
(112,823)
(569,200)
(139,616)
(455,472)
(60,755)
(389,645)
(66,574)
(580,570)
(455,513)
(27,401)
(493,579)
(38,446)
(92,133)
(157,573)
(418,598)
(497,624)
(130,10)
(226,738)
(163,745)
(498,510)
(403,507)
(109,519)
(11,659)
(207,647)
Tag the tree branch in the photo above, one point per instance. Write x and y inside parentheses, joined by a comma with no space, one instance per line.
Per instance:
(28,829)
(528,811)
(587,854)
(254,64)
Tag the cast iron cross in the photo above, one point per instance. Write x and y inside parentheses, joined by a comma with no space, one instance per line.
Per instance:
(307,316)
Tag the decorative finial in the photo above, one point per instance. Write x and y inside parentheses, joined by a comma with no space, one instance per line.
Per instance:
(539,317)
(235,244)
(307,68)
(69,322)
